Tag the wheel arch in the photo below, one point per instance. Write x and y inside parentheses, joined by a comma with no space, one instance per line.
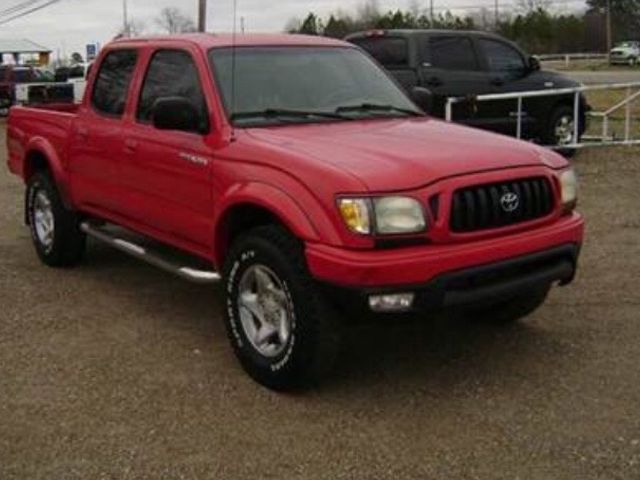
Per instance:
(258,204)
(41,156)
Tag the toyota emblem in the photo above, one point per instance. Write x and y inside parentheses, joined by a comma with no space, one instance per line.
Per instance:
(510,202)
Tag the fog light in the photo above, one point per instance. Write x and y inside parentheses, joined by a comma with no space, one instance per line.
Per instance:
(398,302)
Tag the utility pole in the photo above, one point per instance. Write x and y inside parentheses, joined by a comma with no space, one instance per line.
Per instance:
(431,17)
(202,15)
(125,18)
(609,30)
(497,16)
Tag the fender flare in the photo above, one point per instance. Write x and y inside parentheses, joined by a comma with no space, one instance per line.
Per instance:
(43,147)
(270,198)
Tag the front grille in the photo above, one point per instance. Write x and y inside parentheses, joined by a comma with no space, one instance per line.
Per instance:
(500,204)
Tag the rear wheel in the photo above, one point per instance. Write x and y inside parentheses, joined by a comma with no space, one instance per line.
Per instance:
(280,327)
(54,229)
(510,310)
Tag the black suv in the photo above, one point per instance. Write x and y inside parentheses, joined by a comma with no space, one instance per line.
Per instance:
(461,64)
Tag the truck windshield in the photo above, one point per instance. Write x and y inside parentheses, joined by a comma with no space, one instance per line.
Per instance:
(283,85)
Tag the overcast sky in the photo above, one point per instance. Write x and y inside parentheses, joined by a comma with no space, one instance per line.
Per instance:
(71,24)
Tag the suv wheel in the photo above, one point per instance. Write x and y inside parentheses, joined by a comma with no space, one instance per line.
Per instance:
(561,130)
(54,229)
(508,311)
(281,329)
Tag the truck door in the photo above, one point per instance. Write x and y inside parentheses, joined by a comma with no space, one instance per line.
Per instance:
(394,54)
(95,144)
(167,174)
(508,72)
(451,68)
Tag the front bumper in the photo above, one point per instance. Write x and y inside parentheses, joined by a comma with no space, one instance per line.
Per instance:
(420,265)
(454,274)
(620,60)
(476,285)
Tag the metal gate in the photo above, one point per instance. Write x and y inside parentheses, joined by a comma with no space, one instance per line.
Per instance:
(605,138)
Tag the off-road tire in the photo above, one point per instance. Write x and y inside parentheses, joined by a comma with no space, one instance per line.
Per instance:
(69,243)
(315,330)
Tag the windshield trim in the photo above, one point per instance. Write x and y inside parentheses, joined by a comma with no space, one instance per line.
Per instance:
(226,108)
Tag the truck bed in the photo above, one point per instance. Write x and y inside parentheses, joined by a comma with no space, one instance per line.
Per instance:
(31,124)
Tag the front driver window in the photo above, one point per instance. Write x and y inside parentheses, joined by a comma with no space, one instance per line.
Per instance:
(502,58)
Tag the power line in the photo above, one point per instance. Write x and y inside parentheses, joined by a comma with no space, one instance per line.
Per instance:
(18,7)
(29,11)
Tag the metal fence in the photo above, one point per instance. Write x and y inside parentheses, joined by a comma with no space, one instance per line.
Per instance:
(632,92)
(567,58)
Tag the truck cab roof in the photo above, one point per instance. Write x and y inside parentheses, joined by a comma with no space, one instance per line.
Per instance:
(221,40)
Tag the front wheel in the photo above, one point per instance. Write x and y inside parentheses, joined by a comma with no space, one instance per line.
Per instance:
(279,325)
(560,130)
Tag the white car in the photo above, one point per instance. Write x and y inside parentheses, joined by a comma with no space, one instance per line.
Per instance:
(625,53)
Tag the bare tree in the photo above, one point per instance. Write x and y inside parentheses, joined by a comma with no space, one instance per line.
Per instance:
(369,11)
(134,28)
(293,25)
(526,6)
(172,20)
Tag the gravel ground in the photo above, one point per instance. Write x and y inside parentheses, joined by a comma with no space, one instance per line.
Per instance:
(117,371)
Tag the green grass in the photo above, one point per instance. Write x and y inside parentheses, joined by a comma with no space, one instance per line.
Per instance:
(603,100)
(586,65)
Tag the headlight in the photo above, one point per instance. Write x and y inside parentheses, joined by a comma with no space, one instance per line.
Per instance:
(569,187)
(393,215)
(398,215)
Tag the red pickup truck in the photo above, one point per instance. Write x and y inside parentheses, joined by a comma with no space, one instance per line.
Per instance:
(297,172)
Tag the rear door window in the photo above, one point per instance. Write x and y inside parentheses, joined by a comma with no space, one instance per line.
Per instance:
(392,52)
(112,84)
(452,53)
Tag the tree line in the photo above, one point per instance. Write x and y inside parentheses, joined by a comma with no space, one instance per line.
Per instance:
(534,25)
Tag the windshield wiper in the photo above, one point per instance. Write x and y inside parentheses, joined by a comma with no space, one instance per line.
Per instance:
(283,112)
(374,107)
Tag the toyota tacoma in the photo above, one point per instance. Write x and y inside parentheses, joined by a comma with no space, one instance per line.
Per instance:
(295,171)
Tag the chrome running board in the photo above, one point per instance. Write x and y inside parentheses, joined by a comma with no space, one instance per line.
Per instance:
(141,253)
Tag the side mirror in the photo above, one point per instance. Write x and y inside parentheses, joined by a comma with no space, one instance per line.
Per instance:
(423,98)
(534,64)
(175,113)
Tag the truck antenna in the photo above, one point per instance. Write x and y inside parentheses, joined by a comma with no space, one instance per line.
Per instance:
(233,68)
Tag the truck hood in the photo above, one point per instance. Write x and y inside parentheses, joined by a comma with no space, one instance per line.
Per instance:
(401,154)
(624,51)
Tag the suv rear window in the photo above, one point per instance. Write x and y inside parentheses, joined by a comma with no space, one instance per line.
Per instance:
(453,53)
(112,84)
(388,51)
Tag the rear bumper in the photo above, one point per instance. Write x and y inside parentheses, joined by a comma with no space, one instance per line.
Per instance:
(417,266)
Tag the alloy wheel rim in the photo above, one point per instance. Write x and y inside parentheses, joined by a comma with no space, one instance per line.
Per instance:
(564,130)
(43,220)
(265,311)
